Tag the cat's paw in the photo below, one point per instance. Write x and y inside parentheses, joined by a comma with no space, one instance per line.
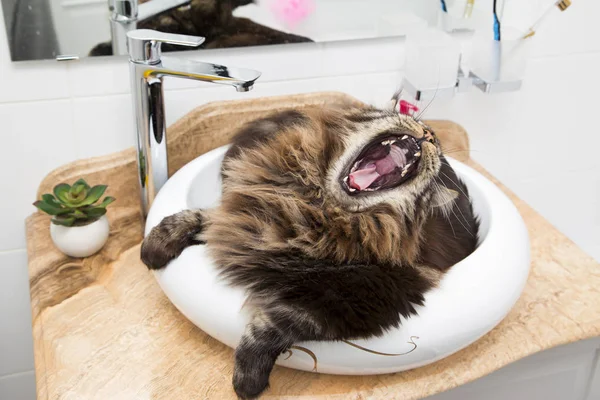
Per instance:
(168,239)
(249,386)
(154,254)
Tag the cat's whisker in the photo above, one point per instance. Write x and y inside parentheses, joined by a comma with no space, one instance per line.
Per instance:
(459,150)
(459,221)
(459,210)
(456,184)
(444,209)
(437,88)
(463,192)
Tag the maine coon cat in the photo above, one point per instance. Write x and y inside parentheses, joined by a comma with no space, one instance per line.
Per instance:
(336,222)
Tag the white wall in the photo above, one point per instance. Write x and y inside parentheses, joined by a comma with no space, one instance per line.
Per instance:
(541,141)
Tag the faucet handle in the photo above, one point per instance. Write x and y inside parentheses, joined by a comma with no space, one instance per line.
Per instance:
(144,44)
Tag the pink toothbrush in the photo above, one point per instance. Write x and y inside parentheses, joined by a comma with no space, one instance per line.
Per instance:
(292,12)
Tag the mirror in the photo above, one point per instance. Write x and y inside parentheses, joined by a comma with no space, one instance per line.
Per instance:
(49,29)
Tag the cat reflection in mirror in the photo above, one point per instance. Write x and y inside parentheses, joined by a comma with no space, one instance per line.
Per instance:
(334,222)
(214,20)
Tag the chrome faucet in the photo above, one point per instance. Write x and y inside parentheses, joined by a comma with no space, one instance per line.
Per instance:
(125,14)
(147,69)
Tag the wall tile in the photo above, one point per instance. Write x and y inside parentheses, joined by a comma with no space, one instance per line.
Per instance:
(38,138)
(31,80)
(16,342)
(544,128)
(102,125)
(570,200)
(542,141)
(560,33)
(25,81)
(18,387)
(363,56)
(569,32)
(98,76)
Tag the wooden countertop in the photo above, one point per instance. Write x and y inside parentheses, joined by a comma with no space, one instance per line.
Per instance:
(103,329)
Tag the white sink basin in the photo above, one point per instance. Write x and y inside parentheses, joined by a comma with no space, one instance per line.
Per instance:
(473,297)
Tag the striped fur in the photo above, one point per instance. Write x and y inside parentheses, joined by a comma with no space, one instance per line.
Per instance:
(317,263)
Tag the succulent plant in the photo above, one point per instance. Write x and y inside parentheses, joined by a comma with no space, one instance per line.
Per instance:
(75,205)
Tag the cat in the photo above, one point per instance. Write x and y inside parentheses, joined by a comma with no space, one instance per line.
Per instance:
(335,222)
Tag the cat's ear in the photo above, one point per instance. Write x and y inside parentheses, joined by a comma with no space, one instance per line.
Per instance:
(444,197)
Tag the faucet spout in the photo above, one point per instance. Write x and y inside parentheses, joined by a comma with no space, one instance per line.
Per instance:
(240,78)
(147,69)
(243,89)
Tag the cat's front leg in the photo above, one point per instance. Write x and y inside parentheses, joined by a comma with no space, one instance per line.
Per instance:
(168,239)
(270,333)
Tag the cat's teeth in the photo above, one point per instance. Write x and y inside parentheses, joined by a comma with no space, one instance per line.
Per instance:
(388,142)
(417,154)
(405,169)
(404,137)
(352,189)
(346,179)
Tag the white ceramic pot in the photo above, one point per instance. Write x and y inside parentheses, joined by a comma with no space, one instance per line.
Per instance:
(473,297)
(80,241)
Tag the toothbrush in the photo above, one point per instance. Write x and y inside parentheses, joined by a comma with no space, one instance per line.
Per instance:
(497,28)
(292,12)
(562,6)
(468,9)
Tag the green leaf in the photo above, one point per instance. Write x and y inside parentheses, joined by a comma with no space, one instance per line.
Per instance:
(82,182)
(61,191)
(107,200)
(93,195)
(47,208)
(78,191)
(76,200)
(64,221)
(79,214)
(94,212)
(48,198)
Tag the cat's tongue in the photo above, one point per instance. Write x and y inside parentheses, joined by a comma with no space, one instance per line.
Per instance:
(364,177)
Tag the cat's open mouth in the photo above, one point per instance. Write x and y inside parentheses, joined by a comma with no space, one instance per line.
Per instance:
(383,164)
